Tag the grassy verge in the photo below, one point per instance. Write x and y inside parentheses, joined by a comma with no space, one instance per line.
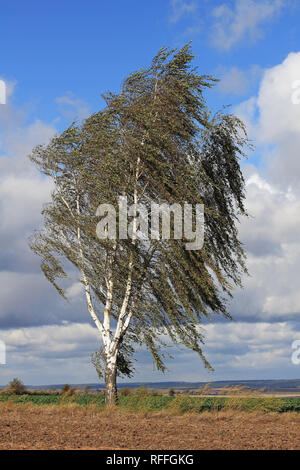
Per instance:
(179,404)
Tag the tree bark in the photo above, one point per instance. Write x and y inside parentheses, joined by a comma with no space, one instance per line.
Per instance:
(111,394)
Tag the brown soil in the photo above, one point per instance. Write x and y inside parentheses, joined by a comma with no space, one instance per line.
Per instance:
(74,427)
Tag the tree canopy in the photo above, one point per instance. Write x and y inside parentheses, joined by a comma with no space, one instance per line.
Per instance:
(155,141)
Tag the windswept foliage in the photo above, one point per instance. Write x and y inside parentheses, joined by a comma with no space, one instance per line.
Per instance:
(155,141)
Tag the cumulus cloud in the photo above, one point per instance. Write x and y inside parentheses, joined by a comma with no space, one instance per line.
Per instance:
(273,119)
(26,297)
(244,20)
(237,350)
(255,347)
(272,234)
(22,189)
(279,122)
(279,115)
(50,354)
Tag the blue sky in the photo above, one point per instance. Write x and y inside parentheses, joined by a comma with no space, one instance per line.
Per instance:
(56,59)
(87,47)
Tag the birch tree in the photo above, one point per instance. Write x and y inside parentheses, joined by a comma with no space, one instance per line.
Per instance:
(155,141)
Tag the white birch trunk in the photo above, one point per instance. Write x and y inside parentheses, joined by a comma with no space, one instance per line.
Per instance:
(111,345)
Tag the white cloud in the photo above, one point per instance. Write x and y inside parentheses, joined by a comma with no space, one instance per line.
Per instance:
(236,81)
(244,20)
(74,291)
(272,241)
(272,236)
(72,108)
(22,189)
(181,8)
(274,122)
(50,354)
(60,354)
(283,304)
(279,122)
(21,200)
(50,339)
(26,297)
(279,116)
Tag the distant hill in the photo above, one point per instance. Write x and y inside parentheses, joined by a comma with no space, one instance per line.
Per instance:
(290,385)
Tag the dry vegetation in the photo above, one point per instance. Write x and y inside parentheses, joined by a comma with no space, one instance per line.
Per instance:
(76,427)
